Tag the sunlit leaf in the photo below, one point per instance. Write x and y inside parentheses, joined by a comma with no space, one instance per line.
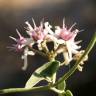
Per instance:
(46,70)
(62,86)
(49,69)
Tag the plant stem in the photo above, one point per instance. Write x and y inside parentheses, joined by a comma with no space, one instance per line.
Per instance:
(56,90)
(15,90)
(72,70)
(39,52)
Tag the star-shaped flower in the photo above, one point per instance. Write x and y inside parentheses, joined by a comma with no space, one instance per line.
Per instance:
(67,38)
(20,42)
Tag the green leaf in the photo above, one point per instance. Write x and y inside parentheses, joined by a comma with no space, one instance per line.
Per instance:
(62,86)
(46,70)
(49,69)
(68,93)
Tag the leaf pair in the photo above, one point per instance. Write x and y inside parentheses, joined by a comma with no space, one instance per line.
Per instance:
(47,70)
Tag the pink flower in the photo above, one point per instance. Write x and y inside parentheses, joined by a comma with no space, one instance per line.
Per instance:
(67,38)
(40,34)
(20,42)
(36,33)
(66,34)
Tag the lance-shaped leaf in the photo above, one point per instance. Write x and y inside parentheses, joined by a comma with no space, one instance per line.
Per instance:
(62,86)
(46,70)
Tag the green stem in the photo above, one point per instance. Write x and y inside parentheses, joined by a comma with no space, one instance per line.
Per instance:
(56,90)
(39,52)
(72,70)
(15,90)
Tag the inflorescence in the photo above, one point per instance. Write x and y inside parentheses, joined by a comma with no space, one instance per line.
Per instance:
(62,37)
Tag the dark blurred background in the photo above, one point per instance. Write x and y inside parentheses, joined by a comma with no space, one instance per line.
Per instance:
(13,14)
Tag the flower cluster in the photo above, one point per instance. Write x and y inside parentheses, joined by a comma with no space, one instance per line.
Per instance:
(63,39)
